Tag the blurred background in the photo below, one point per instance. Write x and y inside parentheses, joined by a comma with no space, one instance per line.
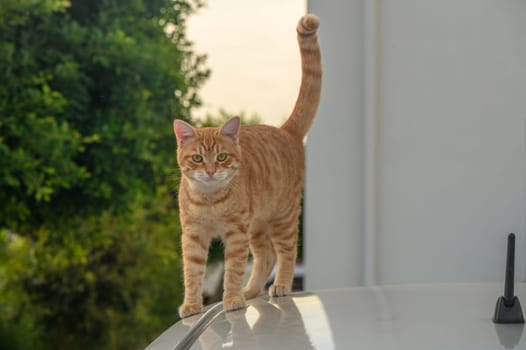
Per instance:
(415,164)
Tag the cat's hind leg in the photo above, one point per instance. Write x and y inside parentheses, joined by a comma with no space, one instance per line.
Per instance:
(263,262)
(284,239)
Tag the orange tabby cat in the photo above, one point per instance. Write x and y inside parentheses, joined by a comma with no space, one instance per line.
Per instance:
(243,184)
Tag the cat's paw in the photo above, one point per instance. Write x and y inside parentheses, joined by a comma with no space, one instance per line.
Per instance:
(234,302)
(189,309)
(251,293)
(278,290)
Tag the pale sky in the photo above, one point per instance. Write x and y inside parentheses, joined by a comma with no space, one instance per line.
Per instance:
(253,55)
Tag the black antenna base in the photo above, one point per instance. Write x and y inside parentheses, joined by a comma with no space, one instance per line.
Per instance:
(506,312)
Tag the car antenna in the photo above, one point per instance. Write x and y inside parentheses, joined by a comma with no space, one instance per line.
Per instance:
(508,308)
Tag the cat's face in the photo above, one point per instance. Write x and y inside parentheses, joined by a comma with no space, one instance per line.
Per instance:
(209,165)
(208,157)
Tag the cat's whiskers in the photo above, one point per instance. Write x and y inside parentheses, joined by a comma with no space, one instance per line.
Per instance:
(206,183)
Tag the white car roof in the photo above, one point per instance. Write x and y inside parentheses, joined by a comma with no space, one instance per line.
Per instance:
(405,317)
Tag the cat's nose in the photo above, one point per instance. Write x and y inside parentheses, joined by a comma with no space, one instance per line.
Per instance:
(210,170)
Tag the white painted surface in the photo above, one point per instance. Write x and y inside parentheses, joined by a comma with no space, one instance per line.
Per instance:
(403,317)
(434,201)
(335,146)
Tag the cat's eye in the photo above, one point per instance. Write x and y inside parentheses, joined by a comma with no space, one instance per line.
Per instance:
(197,158)
(221,157)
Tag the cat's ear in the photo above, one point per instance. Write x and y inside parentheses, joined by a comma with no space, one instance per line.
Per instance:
(231,129)
(183,131)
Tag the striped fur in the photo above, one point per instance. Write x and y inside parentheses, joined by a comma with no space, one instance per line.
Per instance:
(244,184)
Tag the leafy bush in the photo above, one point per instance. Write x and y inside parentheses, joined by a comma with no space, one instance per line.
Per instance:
(87,97)
(110,280)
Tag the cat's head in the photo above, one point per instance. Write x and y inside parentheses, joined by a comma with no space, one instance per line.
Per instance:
(208,157)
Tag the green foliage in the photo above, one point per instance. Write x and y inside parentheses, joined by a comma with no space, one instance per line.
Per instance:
(86,101)
(88,229)
(111,281)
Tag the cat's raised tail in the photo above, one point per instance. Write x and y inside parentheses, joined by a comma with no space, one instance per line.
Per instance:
(300,120)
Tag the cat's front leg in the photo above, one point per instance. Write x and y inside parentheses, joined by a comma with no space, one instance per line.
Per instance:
(195,253)
(236,255)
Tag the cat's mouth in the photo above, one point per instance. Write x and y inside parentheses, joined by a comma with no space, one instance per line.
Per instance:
(212,180)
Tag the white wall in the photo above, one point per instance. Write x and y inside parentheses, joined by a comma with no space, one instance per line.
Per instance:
(334,146)
(416,162)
